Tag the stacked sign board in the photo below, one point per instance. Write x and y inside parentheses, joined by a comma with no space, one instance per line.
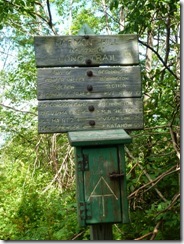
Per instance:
(88,82)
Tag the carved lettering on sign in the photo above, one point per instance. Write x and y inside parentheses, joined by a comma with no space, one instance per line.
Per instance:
(72,82)
(79,58)
(107,113)
(73,42)
(95,83)
(74,50)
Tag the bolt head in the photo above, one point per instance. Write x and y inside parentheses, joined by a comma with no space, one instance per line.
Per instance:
(91,108)
(89,73)
(88,61)
(89,88)
(92,122)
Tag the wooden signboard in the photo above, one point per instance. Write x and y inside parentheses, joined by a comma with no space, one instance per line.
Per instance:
(87,50)
(70,115)
(104,94)
(75,83)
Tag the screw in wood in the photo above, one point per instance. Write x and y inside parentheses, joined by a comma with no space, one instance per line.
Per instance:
(89,73)
(89,88)
(88,61)
(92,122)
(91,108)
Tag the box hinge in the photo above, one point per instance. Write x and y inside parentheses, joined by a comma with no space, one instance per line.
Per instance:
(83,165)
(85,210)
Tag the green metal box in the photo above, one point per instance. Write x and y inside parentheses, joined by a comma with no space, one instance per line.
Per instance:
(101,176)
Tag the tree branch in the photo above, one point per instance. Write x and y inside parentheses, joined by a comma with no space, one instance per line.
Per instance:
(79,234)
(144,236)
(175,198)
(146,174)
(153,233)
(155,181)
(106,17)
(151,48)
(17,110)
(174,141)
(50,16)
(60,169)
(159,57)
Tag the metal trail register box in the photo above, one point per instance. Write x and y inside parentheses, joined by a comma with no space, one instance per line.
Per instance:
(90,87)
(101,176)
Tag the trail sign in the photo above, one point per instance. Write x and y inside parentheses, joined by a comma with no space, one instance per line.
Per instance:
(70,115)
(88,82)
(86,50)
(72,83)
(90,87)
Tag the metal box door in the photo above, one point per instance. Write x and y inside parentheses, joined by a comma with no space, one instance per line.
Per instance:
(102,193)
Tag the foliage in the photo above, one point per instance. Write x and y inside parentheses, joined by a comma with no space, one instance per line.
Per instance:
(31,207)
(85,16)
(37,171)
(33,215)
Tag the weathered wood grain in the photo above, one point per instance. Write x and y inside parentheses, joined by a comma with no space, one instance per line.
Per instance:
(73,115)
(101,232)
(91,50)
(70,83)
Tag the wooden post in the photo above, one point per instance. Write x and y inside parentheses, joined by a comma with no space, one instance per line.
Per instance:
(97,231)
(94,102)
(101,232)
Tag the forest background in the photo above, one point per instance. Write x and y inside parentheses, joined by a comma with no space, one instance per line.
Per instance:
(37,176)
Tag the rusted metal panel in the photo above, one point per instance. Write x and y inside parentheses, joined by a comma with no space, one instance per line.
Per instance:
(87,50)
(73,115)
(70,83)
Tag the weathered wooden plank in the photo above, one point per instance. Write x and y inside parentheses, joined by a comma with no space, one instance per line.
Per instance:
(101,232)
(98,137)
(87,50)
(66,83)
(72,115)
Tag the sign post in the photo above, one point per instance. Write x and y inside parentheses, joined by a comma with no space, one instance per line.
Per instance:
(90,87)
